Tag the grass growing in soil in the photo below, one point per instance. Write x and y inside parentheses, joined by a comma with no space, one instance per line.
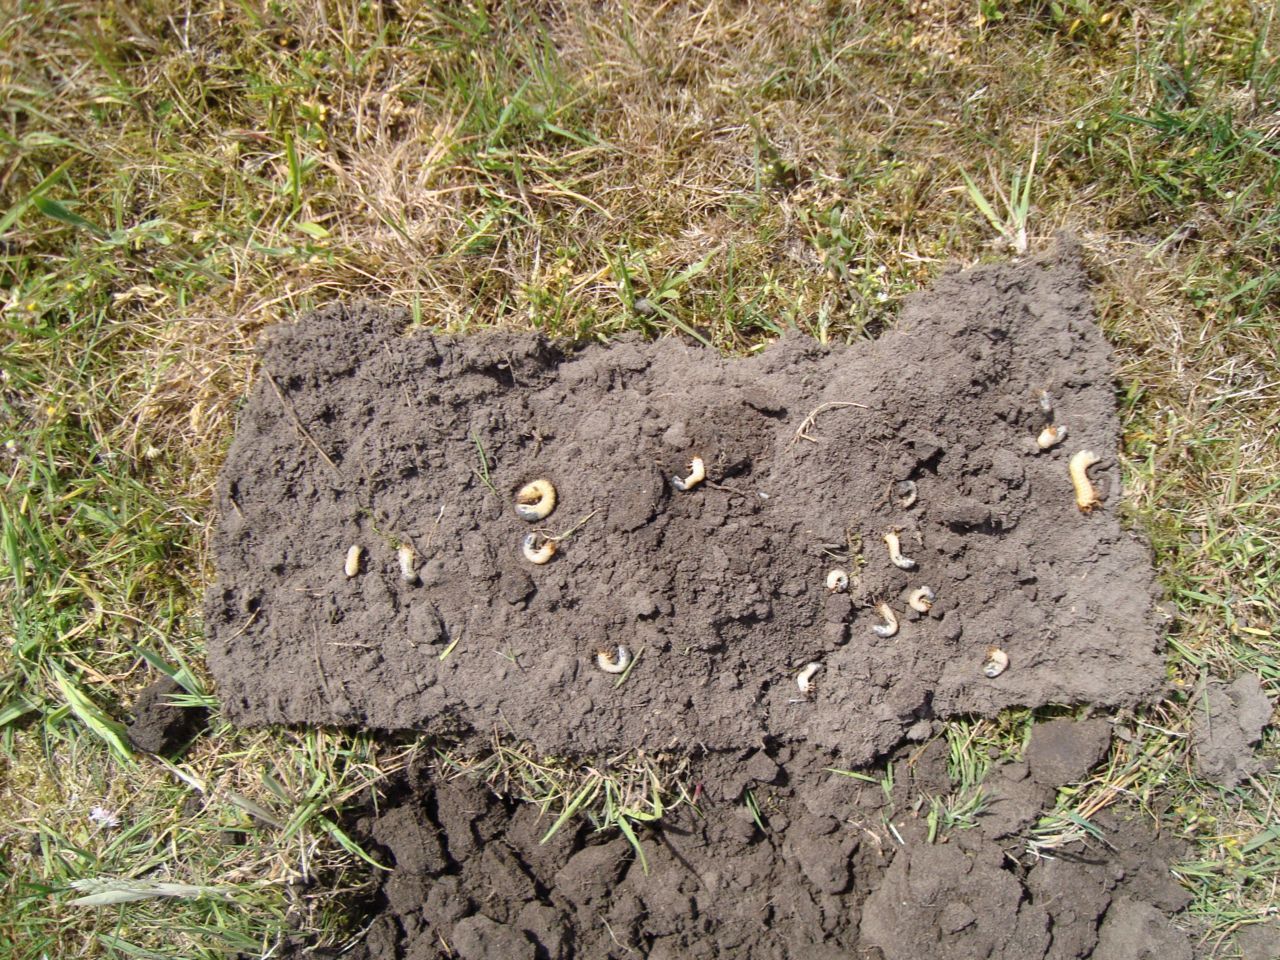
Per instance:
(176,176)
(621,793)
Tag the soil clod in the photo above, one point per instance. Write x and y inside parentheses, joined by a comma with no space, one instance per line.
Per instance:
(1229,721)
(159,726)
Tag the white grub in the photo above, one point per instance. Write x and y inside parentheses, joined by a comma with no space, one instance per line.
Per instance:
(1046,403)
(895,552)
(617,663)
(1051,436)
(804,679)
(921,599)
(890,625)
(904,493)
(408,563)
(538,549)
(997,662)
(1078,467)
(837,581)
(354,553)
(535,500)
(697,473)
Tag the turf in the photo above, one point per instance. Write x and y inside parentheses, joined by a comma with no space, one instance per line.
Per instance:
(174,177)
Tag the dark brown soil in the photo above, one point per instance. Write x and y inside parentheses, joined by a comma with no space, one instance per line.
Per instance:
(159,726)
(357,434)
(840,870)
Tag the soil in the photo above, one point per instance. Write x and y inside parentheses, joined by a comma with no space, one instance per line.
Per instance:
(1228,725)
(362,433)
(1259,941)
(159,726)
(840,869)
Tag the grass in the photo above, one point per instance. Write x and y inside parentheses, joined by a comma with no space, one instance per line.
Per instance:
(1012,224)
(622,792)
(174,177)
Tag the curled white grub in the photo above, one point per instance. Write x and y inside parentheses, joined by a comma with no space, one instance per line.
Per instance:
(535,500)
(890,625)
(837,581)
(538,549)
(697,473)
(1078,467)
(804,679)
(921,599)
(617,663)
(354,553)
(408,563)
(1051,436)
(904,493)
(895,552)
(996,663)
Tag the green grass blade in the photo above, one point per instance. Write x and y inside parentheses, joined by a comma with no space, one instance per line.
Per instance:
(627,832)
(588,793)
(980,201)
(1024,201)
(109,731)
(18,209)
(56,211)
(295,171)
(347,843)
(753,807)
(14,710)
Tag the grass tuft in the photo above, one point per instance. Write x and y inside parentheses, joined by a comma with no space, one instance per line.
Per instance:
(622,792)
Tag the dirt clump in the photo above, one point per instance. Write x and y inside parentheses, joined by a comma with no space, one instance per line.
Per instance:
(1065,750)
(360,435)
(159,726)
(1061,751)
(1226,728)
(1259,941)
(1138,931)
(948,902)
